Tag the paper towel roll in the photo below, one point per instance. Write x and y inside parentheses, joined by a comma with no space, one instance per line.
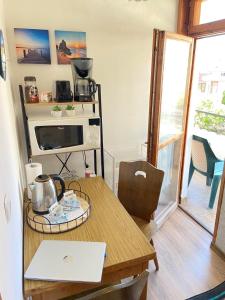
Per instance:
(32,171)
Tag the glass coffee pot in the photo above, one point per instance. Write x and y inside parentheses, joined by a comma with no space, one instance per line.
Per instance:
(84,86)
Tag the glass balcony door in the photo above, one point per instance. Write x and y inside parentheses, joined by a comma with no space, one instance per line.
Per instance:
(170,80)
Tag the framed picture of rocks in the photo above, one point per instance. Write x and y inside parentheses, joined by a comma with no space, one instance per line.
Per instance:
(70,44)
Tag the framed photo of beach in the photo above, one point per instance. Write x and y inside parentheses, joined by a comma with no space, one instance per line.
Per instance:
(70,44)
(32,46)
(2,57)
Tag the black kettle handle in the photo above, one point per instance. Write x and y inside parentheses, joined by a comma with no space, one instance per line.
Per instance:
(56,177)
(93,86)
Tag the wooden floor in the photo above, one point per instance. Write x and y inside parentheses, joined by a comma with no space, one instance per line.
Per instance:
(187,264)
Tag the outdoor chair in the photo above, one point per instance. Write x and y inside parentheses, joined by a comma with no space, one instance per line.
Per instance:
(204,161)
(139,189)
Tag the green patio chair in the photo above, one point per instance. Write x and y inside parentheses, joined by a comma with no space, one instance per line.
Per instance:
(204,161)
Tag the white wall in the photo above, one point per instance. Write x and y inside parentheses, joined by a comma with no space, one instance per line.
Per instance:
(10,192)
(119,38)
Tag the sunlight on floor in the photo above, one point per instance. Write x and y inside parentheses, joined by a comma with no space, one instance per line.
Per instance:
(196,203)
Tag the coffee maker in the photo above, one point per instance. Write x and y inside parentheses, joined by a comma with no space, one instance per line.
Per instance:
(63,91)
(84,86)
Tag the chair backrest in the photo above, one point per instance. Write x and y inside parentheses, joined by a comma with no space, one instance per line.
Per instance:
(198,155)
(139,188)
(203,158)
(131,290)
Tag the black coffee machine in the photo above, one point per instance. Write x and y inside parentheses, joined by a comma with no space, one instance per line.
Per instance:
(63,91)
(84,86)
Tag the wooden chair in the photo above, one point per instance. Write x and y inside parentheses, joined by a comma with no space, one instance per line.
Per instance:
(138,190)
(131,290)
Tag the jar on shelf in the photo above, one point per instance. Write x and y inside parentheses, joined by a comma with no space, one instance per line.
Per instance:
(31,90)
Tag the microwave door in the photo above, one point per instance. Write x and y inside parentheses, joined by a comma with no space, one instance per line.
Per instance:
(57,137)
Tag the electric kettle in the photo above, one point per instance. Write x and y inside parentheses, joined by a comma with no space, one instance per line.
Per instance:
(44,193)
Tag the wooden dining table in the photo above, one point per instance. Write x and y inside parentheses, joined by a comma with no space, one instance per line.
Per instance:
(128,250)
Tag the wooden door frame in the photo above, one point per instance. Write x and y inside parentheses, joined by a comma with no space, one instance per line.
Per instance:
(181,175)
(199,30)
(153,145)
(188,21)
(188,13)
(155,96)
(219,206)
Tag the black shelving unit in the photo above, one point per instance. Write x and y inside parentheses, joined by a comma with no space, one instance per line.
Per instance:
(97,101)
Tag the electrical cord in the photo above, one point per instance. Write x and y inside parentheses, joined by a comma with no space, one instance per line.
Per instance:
(85,159)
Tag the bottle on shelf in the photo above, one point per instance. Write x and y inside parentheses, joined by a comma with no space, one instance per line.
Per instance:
(31,90)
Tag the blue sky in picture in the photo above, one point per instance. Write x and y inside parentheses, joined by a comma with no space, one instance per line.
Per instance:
(31,38)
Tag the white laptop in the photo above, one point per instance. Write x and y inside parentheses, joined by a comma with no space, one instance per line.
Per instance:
(67,261)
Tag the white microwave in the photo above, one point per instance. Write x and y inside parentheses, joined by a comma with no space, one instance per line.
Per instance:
(60,135)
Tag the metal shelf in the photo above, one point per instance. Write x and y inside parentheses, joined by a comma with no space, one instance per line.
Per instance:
(25,106)
(59,103)
(47,117)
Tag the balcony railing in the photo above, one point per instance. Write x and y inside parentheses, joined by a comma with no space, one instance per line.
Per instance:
(210,121)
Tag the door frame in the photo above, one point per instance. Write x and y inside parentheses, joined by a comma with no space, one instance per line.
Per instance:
(188,13)
(153,145)
(181,175)
(219,206)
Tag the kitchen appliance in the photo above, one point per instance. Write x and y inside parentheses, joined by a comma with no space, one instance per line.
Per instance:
(63,91)
(44,193)
(52,136)
(84,86)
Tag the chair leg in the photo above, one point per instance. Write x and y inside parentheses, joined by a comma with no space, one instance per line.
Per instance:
(191,172)
(215,183)
(155,259)
(208,181)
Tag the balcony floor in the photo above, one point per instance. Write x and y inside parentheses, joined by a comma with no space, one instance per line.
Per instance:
(196,203)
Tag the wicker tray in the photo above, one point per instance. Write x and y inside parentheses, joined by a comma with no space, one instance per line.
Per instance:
(42,224)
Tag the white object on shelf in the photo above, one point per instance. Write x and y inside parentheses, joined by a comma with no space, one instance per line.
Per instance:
(70,113)
(93,135)
(45,97)
(57,114)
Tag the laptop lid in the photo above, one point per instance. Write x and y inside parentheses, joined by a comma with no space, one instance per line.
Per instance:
(67,261)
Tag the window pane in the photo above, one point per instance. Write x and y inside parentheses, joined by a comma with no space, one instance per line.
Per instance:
(212,10)
(168,161)
(174,87)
